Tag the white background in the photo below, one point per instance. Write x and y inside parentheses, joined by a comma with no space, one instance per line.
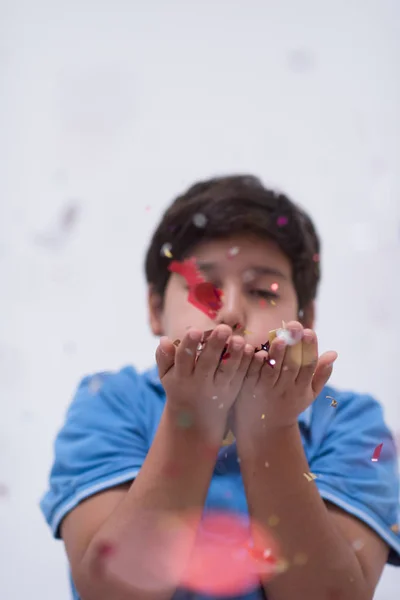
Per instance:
(115,107)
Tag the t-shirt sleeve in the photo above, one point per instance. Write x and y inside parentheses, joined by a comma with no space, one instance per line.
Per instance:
(103,443)
(346,474)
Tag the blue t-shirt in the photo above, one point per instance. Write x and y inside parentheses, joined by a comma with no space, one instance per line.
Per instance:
(113,418)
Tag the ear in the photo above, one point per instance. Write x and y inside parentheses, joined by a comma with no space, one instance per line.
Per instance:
(154,304)
(308,318)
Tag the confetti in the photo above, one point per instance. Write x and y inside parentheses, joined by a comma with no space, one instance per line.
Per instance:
(202,294)
(334,402)
(95,384)
(229,439)
(316,258)
(395,528)
(282,221)
(69,216)
(273,303)
(234,251)
(358,545)
(300,559)
(4,491)
(266,464)
(224,561)
(310,476)
(281,566)
(166,250)
(185,420)
(289,337)
(271,362)
(215,397)
(248,276)
(199,220)
(301,314)
(377,453)
(274,287)
(262,416)
(273,521)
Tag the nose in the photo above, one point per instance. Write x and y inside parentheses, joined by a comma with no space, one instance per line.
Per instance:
(233,307)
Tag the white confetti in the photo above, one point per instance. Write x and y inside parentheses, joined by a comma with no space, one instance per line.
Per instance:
(199,220)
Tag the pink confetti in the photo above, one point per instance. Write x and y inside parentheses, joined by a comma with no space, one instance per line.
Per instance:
(377,453)
(274,287)
(281,221)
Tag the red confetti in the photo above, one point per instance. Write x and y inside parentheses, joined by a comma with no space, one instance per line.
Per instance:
(202,294)
(377,453)
(224,560)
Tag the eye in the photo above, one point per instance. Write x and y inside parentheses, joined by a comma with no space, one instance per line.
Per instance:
(263,294)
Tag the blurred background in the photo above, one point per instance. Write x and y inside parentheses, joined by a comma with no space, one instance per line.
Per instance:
(110,109)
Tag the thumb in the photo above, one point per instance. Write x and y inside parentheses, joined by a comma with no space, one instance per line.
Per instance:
(165,356)
(323,371)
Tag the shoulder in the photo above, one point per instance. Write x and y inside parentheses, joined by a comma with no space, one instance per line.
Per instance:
(104,439)
(353,455)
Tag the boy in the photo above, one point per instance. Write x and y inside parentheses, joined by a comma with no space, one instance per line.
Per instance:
(137,448)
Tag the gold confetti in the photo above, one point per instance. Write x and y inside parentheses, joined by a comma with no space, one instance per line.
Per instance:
(273,302)
(166,250)
(282,565)
(310,476)
(262,416)
(334,402)
(247,332)
(395,528)
(229,439)
(300,559)
(273,520)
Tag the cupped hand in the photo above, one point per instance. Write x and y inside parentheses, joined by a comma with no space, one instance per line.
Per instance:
(281,383)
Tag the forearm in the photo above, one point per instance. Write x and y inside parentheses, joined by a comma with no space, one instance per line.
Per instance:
(273,467)
(175,478)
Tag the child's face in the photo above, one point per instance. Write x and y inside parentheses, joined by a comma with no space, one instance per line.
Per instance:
(258,292)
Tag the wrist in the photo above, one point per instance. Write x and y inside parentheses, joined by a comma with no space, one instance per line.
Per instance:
(201,425)
(265,439)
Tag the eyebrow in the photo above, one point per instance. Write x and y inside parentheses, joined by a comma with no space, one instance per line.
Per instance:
(209,267)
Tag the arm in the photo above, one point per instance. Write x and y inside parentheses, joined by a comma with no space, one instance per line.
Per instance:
(321,534)
(106,517)
(174,477)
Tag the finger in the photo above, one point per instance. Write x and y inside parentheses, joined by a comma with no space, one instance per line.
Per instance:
(185,357)
(309,358)
(165,356)
(323,371)
(209,358)
(228,367)
(253,372)
(293,355)
(275,361)
(241,372)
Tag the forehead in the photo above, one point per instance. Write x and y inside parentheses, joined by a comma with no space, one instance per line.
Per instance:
(238,252)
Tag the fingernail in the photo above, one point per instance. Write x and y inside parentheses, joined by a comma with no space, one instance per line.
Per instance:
(177,342)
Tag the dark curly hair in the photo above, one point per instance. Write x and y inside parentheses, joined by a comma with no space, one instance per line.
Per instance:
(234,205)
